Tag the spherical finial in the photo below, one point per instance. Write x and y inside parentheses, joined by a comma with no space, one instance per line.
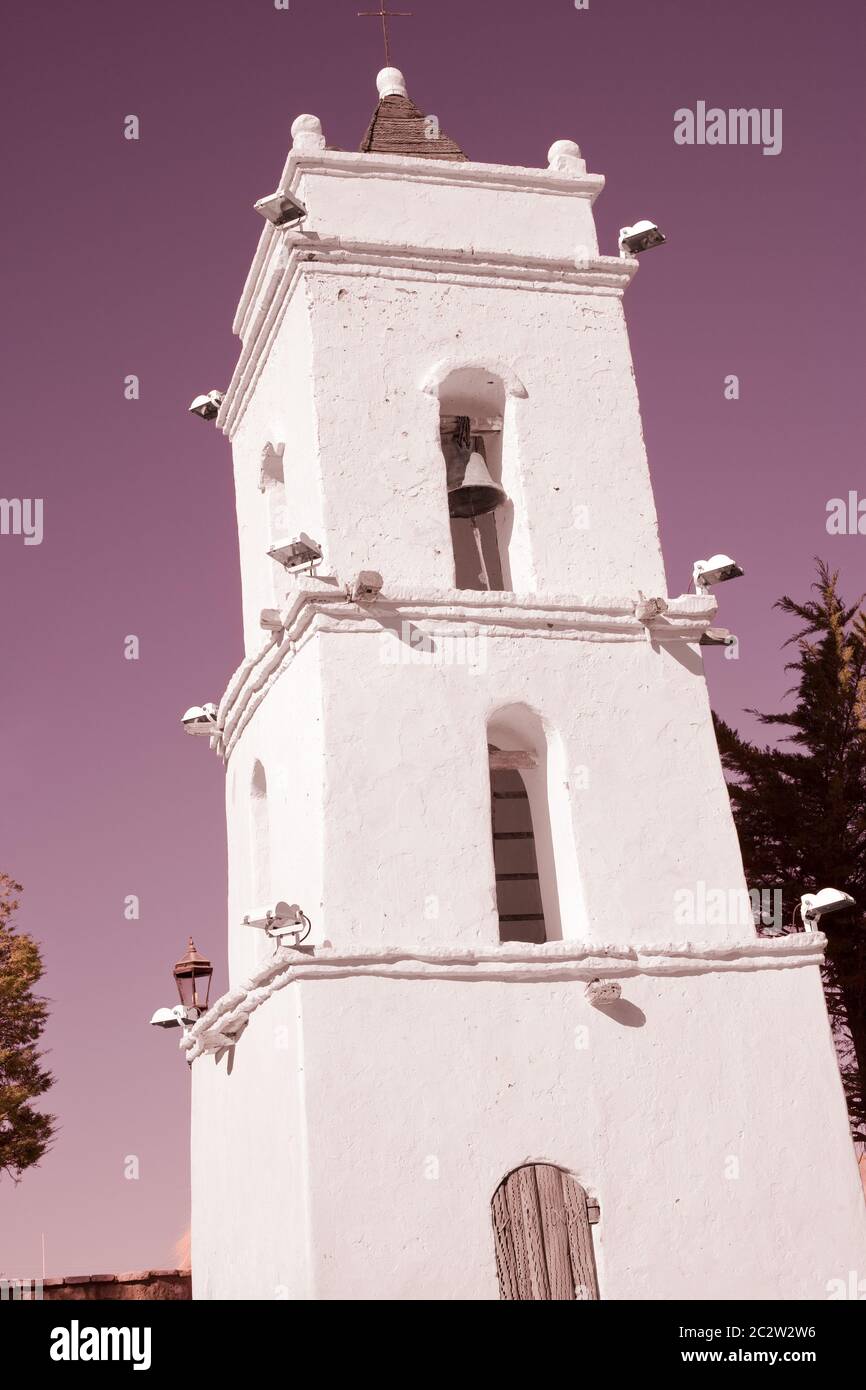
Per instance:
(391,83)
(564,156)
(307,134)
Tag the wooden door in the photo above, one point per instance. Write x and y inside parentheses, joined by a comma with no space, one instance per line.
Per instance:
(543,1236)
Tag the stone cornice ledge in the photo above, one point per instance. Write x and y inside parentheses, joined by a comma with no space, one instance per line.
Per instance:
(319,605)
(352,164)
(365,165)
(518,962)
(291,253)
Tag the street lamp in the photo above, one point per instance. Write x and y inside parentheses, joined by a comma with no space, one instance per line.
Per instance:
(193,974)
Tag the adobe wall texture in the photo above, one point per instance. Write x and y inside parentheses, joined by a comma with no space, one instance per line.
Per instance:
(158,1284)
(367,1172)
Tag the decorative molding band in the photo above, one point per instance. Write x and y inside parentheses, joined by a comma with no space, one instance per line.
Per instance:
(321,606)
(406,169)
(518,962)
(350,164)
(296,254)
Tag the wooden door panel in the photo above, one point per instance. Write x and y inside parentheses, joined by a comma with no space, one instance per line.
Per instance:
(542,1237)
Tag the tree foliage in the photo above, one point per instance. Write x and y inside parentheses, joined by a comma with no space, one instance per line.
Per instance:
(800,806)
(25,1132)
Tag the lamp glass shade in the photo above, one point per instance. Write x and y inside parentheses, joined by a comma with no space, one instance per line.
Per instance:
(193,974)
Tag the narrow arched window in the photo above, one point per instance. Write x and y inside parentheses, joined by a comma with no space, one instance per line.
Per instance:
(533,841)
(260,839)
(272,482)
(542,1231)
(518,885)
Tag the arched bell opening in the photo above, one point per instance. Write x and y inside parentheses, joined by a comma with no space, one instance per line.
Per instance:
(471,423)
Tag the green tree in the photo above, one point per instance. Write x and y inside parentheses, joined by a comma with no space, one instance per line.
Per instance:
(800,806)
(25,1132)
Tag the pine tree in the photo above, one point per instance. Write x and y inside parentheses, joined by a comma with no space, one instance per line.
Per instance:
(25,1133)
(800,806)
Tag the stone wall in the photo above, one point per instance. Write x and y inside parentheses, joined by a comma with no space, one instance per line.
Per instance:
(146,1284)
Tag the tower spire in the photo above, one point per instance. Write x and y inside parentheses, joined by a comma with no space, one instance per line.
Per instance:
(385,15)
(400,127)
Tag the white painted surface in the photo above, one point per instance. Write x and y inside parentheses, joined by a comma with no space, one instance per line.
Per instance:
(294,803)
(482,1076)
(312,1138)
(391,83)
(364,470)
(379,797)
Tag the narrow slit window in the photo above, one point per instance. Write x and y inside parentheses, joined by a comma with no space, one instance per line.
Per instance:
(259,883)
(260,837)
(273,484)
(518,886)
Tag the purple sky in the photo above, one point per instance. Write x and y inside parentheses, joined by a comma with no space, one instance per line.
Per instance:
(128,257)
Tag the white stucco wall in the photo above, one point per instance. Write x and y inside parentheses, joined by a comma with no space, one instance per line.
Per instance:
(313,1134)
(349,327)
(250,1161)
(287,740)
(407,790)
(576,435)
(282,414)
(715,1179)
(416,203)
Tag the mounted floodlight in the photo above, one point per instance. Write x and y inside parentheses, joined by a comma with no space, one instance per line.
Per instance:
(814,906)
(603,991)
(281,208)
(271,620)
(178,1017)
(207,407)
(297,553)
(715,571)
(367,587)
(166,1018)
(643,236)
(281,920)
(717,637)
(201,721)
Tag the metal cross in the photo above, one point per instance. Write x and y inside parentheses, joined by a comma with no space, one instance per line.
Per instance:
(385,15)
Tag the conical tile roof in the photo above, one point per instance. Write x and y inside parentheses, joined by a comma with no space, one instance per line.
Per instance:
(400,127)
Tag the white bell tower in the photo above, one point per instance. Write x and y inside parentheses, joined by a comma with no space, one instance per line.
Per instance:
(510,1057)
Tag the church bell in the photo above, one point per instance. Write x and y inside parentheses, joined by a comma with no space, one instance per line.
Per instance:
(471,490)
